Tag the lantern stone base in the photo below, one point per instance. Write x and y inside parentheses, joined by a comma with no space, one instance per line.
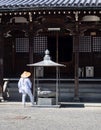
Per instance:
(46,101)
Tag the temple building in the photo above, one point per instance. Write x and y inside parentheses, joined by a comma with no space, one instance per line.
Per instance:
(69,29)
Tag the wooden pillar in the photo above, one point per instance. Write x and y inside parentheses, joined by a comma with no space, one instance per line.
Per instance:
(30,40)
(31,50)
(1,66)
(31,46)
(76,89)
(76,44)
(57,47)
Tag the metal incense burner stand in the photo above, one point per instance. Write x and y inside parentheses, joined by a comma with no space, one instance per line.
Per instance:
(47,62)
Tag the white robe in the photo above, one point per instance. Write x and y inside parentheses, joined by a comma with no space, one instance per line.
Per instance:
(25,86)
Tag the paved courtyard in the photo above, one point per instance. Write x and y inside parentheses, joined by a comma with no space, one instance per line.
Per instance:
(13,116)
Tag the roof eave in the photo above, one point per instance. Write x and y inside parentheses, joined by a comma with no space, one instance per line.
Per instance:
(35,8)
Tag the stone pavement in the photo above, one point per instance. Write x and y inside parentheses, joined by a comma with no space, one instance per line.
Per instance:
(13,116)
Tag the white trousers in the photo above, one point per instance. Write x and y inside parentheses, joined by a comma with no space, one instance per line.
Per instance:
(29,93)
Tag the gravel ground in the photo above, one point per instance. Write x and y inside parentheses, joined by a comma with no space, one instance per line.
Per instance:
(13,116)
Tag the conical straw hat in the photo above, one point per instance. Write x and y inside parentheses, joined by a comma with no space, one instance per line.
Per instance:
(25,74)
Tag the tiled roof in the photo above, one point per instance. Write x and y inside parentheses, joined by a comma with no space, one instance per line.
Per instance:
(16,4)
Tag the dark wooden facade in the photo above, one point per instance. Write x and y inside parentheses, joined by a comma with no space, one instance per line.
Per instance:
(77,44)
